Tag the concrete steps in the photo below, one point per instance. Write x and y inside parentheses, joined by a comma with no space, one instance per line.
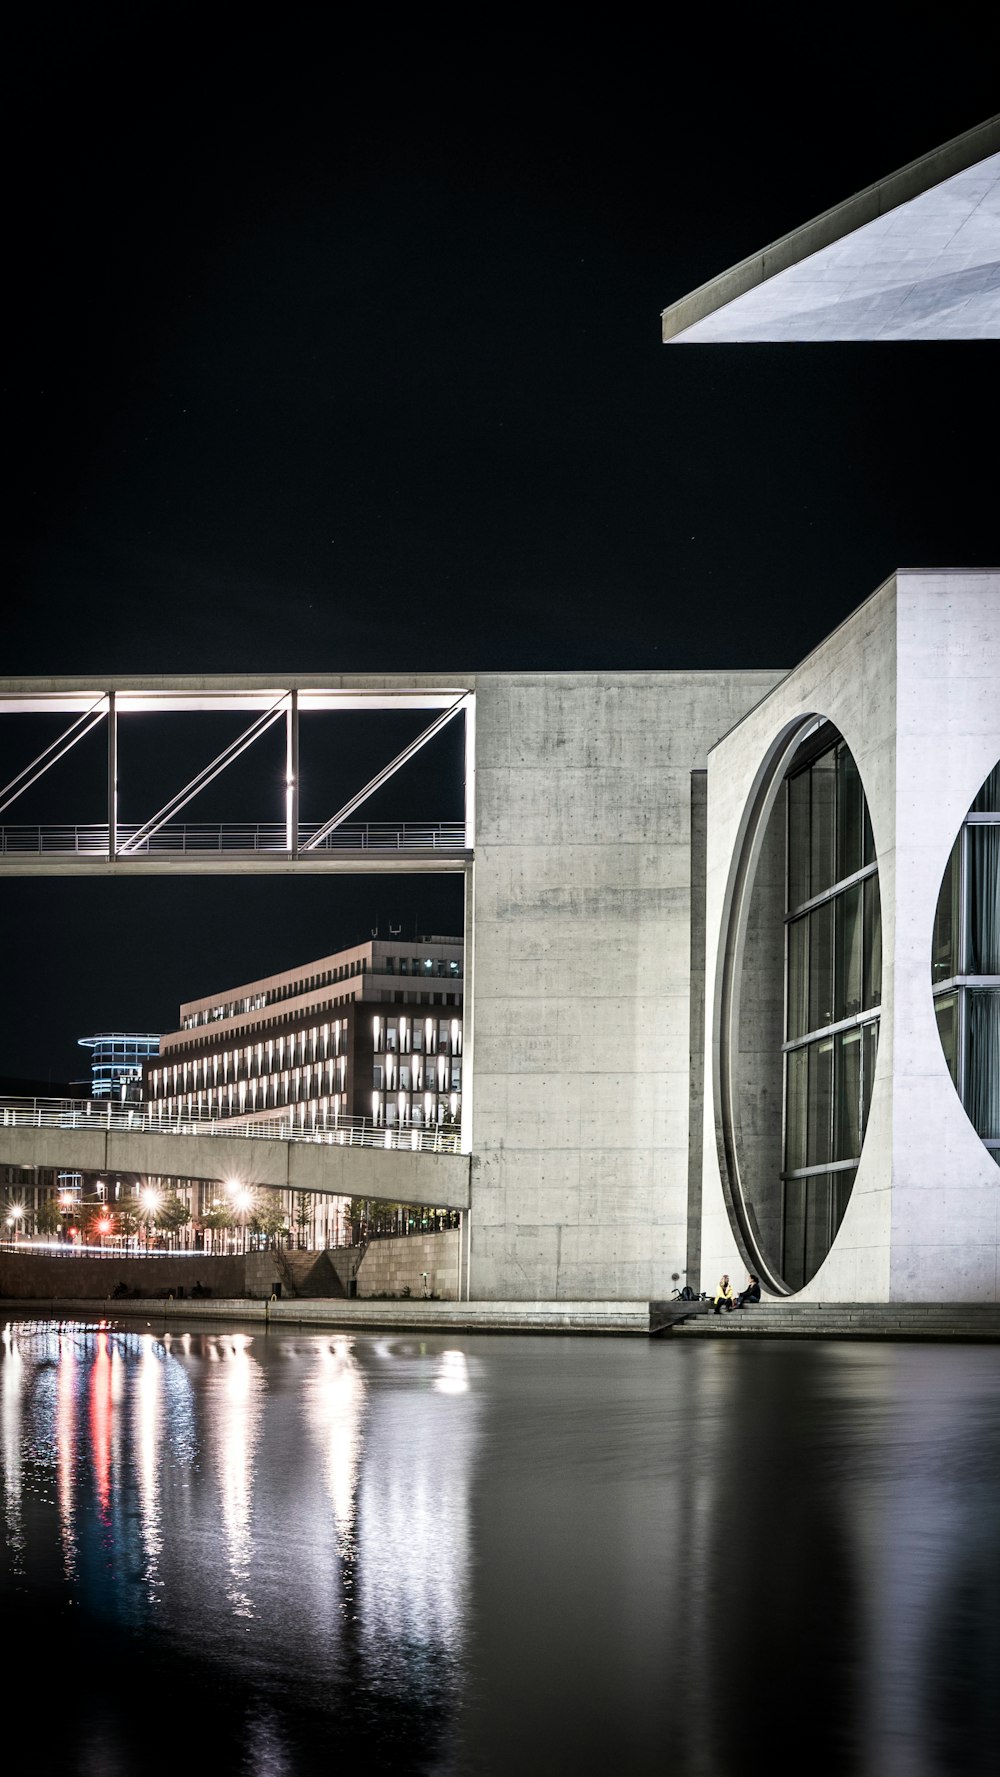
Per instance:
(977,1321)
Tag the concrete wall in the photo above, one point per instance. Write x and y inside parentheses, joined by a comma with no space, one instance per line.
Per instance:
(34,1277)
(946,1189)
(581,914)
(390,1266)
(910,681)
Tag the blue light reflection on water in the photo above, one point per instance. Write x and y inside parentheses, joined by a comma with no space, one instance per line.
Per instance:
(496,1554)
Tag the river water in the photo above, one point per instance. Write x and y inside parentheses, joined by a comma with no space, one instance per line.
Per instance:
(270,1552)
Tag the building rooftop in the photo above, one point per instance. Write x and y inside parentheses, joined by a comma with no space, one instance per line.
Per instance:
(914,256)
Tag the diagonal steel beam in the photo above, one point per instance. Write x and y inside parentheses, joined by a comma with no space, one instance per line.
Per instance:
(385,774)
(58,748)
(258,727)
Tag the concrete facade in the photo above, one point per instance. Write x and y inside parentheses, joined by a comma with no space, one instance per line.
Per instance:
(913,256)
(581,991)
(910,681)
(405,1266)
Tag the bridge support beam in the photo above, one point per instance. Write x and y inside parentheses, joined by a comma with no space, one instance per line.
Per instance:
(435,1181)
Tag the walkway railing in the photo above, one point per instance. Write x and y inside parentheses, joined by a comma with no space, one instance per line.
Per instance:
(349,1132)
(187,839)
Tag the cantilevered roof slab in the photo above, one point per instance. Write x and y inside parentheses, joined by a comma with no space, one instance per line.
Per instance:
(914,256)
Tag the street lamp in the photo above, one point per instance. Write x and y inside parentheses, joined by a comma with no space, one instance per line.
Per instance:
(15,1212)
(149,1203)
(243,1203)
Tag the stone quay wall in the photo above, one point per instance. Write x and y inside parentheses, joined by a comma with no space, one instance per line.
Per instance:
(43,1277)
(391,1266)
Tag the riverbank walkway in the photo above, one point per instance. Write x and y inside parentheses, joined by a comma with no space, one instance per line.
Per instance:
(972,1322)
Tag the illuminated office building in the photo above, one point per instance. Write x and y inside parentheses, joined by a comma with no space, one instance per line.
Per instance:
(372,1032)
(116,1063)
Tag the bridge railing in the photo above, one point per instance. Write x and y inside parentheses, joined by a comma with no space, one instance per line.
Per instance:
(187,838)
(348,1132)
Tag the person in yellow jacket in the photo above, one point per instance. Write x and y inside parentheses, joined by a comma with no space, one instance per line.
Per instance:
(724,1295)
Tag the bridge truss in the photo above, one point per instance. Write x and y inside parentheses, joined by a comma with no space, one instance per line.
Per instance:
(161,842)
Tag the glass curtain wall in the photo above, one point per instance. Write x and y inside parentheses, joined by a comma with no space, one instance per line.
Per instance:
(965,964)
(833,962)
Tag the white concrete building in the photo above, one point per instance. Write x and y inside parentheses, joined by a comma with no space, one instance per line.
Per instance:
(913,256)
(852,1010)
(714,1038)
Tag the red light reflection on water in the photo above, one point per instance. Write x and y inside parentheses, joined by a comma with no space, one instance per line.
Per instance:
(100,1425)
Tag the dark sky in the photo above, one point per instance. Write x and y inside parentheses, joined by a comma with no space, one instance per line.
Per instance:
(344,355)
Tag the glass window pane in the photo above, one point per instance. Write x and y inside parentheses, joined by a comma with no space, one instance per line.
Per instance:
(849,814)
(946,1013)
(793,1243)
(821,966)
(983,1075)
(819,1133)
(796,1099)
(823,812)
(847,995)
(870,1047)
(944,942)
(817,1222)
(984,900)
(842,1184)
(869,839)
(798,839)
(872,994)
(847,1106)
(988,799)
(798,978)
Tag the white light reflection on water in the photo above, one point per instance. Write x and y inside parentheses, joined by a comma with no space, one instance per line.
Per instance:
(147,1434)
(335,1401)
(236,1423)
(453,1373)
(414,1520)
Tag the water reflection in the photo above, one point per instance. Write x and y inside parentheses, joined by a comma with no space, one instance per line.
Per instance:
(335,1395)
(235,1429)
(147,1435)
(414,1522)
(461,1557)
(783,1637)
(67,1384)
(12,1399)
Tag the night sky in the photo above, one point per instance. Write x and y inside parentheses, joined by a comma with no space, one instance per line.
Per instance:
(345,356)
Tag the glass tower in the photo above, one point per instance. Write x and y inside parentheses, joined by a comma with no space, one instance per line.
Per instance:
(116,1064)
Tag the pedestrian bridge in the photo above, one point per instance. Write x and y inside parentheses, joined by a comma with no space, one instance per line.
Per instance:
(354,1159)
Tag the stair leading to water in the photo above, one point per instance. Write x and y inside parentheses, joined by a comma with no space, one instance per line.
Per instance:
(979,1321)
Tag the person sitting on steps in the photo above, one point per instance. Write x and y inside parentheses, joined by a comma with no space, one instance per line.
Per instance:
(724,1295)
(751,1293)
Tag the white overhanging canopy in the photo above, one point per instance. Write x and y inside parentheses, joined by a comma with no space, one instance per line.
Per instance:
(914,256)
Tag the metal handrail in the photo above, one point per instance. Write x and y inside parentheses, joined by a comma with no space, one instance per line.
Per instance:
(349,1132)
(187,837)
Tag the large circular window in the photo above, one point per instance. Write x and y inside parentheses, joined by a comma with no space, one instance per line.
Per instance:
(802,991)
(965,963)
